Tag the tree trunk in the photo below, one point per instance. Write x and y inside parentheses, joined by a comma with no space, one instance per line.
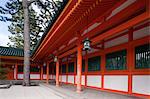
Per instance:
(26,79)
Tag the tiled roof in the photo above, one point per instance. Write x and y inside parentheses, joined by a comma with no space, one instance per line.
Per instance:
(9,51)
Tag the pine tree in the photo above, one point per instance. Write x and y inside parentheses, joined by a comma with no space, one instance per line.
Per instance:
(49,11)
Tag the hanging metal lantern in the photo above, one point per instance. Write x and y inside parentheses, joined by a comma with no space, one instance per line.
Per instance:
(13,67)
(38,67)
(44,64)
(55,59)
(86,44)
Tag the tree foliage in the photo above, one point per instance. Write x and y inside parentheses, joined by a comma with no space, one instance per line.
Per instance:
(39,18)
(3,73)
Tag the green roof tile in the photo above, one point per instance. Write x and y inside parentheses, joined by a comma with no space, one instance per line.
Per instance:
(9,51)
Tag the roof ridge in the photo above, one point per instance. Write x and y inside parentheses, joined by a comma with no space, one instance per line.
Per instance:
(11,47)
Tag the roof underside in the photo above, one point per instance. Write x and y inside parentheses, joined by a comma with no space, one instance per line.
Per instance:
(80,16)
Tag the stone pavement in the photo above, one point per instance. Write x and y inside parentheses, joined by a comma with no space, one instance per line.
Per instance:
(70,92)
(34,92)
(50,91)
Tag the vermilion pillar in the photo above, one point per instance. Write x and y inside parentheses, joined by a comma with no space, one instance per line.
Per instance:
(41,72)
(130,55)
(79,67)
(57,73)
(16,71)
(47,77)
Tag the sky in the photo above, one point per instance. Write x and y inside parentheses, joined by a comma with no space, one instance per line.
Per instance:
(4,33)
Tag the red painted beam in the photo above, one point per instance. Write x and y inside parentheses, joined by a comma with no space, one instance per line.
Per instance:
(68,52)
(117,18)
(70,4)
(121,27)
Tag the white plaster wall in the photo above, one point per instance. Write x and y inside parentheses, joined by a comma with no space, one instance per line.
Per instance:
(141,84)
(141,33)
(63,78)
(117,41)
(120,8)
(44,76)
(71,79)
(50,76)
(82,79)
(20,76)
(94,81)
(54,76)
(119,82)
(35,76)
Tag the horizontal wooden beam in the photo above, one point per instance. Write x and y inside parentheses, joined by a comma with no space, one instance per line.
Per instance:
(11,57)
(121,27)
(50,35)
(10,63)
(68,52)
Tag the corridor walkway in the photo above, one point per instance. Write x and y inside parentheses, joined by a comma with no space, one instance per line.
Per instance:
(35,92)
(45,91)
(87,93)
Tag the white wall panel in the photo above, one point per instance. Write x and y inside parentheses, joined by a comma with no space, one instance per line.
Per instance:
(94,80)
(71,79)
(117,41)
(141,84)
(82,80)
(32,76)
(44,76)
(120,8)
(63,78)
(50,76)
(141,33)
(119,82)
(35,76)
(54,76)
(20,76)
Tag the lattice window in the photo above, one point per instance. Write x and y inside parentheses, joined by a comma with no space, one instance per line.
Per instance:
(63,68)
(44,69)
(54,69)
(142,56)
(20,69)
(60,69)
(71,67)
(94,63)
(83,65)
(34,69)
(116,60)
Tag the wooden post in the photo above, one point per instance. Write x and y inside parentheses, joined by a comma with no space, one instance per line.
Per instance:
(130,61)
(41,72)
(57,73)
(47,77)
(79,67)
(86,68)
(103,64)
(16,70)
(75,64)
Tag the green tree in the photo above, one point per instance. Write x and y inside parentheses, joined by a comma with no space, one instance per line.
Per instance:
(49,11)
(3,73)
(16,29)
